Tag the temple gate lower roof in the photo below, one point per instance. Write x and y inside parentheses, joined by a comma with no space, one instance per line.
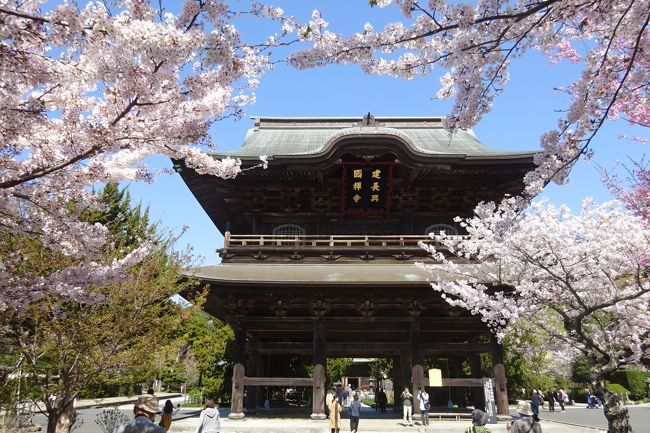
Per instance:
(325,274)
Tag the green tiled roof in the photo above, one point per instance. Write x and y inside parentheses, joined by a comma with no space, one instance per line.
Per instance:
(296,136)
(325,274)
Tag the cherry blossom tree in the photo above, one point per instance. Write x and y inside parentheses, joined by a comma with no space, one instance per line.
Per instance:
(634,190)
(88,94)
(476,44)
(578,282)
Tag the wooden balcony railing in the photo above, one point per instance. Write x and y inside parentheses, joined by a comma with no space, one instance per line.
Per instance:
(327,246)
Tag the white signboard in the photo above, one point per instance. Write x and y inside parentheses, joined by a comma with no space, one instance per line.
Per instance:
(435,377)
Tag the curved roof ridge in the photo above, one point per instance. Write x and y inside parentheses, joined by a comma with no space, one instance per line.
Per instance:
(307,136)
(356,131)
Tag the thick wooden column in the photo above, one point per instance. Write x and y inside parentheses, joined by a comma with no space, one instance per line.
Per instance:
(262,362)
(478,396)
(406,371)
(417,369)
(499,377)
(456,371)
(238,373)
(250,399)
(318,386)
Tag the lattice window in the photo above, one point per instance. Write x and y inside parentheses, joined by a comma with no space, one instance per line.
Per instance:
(291,230)
(437,228)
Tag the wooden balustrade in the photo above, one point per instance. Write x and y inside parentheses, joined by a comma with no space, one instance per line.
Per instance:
(298,247)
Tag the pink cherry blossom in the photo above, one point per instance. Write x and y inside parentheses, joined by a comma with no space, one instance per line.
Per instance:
(88,94)
(578,282)
(476,43)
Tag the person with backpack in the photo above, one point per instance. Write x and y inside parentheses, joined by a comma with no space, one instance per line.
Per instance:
(479,419)
(423,397)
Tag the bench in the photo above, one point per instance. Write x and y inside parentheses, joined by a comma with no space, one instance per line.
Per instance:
(456,416)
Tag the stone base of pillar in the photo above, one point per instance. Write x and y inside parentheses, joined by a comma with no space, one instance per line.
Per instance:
(236,415)
(318,416)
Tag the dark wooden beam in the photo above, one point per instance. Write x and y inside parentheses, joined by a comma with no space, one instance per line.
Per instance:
(278,381)
(364,348)
(462,382)
(428,322)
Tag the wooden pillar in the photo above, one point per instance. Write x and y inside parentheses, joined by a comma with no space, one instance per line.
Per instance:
(396,378)
(250,399)
(262,361)
(456,371)
(407,378)
(402,378)
(238,373)
(417,369)
(478,396)
(318,386)
(499,377)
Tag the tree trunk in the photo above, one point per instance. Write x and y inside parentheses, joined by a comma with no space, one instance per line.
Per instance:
(618,417)
(61,418)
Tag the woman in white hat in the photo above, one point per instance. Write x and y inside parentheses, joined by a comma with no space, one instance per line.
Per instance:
(525,423)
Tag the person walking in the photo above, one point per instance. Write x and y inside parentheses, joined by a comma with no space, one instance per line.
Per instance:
(382,399)
(355,412)
(335,409)
(376,399)
(550,396)
(145,410)
(328,400)
(168,413)
(534,402)
(340,392)
(562,398)
(479,419)
(423,397)
(407,406)
(209,421)
(526,422)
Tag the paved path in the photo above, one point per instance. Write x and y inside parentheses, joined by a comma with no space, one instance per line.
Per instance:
(373,425)
(576,419)
(579,414)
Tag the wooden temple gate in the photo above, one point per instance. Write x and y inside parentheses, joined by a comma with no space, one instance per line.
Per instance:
(319,249)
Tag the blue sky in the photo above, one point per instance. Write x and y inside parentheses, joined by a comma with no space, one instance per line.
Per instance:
(528,107)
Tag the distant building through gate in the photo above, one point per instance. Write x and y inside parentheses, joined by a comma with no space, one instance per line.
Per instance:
(319,250)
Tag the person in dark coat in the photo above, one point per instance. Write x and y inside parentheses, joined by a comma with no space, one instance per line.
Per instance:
(550,396)
(382,399)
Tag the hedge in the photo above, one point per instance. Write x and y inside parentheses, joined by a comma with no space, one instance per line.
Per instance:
(617,388)
(634,380)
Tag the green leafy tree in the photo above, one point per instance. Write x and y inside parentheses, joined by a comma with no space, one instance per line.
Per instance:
(172,375)
(66,347)
(336,368)
(209,343)
(381,368)
(580,371)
